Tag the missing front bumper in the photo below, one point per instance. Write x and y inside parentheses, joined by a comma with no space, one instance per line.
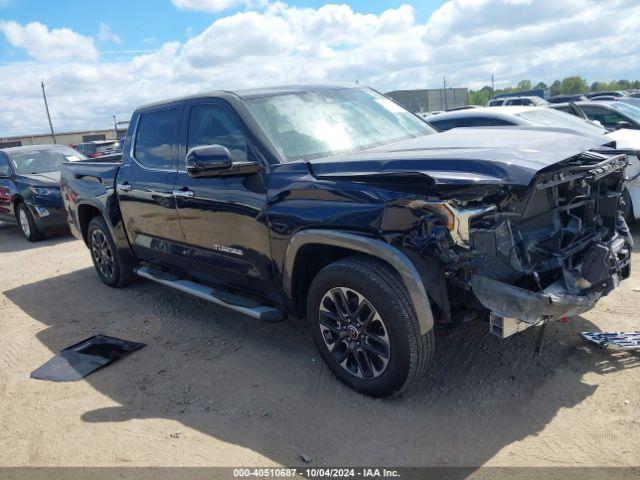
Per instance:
(509,301)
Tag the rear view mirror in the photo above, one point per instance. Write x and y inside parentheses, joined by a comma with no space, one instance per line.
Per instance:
(215,161)
(623,124)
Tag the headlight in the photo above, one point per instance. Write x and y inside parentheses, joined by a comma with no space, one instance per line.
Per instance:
(43,191)
(456,220)
(462,217)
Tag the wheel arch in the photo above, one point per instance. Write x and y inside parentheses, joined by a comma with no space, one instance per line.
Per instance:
(15,201)
(86,213)
(311,250)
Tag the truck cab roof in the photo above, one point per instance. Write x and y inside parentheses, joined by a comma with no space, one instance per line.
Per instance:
(255,92)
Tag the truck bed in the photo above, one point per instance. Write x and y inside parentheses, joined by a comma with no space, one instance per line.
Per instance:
(90,183)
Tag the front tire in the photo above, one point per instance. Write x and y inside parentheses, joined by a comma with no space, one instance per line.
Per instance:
(28,224)
(365,327)
(111,269)
(628,212)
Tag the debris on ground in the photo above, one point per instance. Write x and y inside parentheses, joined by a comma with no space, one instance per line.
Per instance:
(613,340)
(79,360)
(304,458)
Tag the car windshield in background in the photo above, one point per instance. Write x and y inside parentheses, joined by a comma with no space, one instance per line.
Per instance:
(318,124)
(42,160)
(628,110)
(554,118)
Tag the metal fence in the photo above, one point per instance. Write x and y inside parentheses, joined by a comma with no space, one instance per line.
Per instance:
(430,100)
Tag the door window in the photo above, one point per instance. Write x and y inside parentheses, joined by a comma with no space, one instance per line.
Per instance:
(443,125)
(154,140)
(4,166)
(606,117)
(211,125)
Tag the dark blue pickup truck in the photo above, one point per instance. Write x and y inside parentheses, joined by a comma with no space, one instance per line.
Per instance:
(336,204)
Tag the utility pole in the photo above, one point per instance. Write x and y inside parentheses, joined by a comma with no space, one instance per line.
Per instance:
(444,90)
(493,87)
(115,127)
(46,106)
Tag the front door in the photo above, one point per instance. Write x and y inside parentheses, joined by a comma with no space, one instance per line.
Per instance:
(6,189)
(145,187)
(222,217)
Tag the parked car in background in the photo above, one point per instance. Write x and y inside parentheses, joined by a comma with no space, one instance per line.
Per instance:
(612,93)
(99,148)
(572,109)
(508,101)
(337,205)
(463,107)
(624,139)
(566,98)
(604,98)
(630,100)
(611,115)
(30,188)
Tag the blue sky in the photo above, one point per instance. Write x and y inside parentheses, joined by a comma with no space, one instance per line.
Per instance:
(104,58)
(143,25)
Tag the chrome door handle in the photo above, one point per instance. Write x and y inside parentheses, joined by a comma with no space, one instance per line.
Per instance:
(183,193)
(124,187)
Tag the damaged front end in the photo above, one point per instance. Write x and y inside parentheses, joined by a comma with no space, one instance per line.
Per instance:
(544,252)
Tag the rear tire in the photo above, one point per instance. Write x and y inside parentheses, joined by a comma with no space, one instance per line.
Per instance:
(372,342)
(111,269)
(28,224)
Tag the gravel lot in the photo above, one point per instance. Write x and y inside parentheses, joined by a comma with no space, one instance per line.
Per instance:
(215,388)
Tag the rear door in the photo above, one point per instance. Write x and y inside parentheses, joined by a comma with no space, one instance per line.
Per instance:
(145,184)
(222,217)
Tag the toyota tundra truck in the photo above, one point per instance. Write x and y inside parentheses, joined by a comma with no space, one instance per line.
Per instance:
(337,205)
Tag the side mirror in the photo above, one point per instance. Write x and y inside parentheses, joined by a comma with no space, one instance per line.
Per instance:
(623,124)
(4,173)
(215,161)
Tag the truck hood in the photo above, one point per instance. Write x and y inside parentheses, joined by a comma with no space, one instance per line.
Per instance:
(48,179)
(461,156)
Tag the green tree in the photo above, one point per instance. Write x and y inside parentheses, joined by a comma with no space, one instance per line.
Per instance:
(556,88)
(480,97)
(541,86)
(573,85)
(524,85)
(623,84)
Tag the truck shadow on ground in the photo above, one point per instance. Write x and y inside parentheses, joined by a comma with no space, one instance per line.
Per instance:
(13,240)
(263,387)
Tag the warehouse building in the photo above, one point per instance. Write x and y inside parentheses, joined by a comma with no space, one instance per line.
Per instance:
(430,100)
(63,138)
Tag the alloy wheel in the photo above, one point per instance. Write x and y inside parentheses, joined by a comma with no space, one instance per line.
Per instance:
(354,333)
(24,223)
(102,254)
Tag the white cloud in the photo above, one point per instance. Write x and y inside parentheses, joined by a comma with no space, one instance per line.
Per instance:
(464,40)
(47,45)
(207,5)
(105,34)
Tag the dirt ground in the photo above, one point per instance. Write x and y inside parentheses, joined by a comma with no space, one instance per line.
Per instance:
(215,388)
